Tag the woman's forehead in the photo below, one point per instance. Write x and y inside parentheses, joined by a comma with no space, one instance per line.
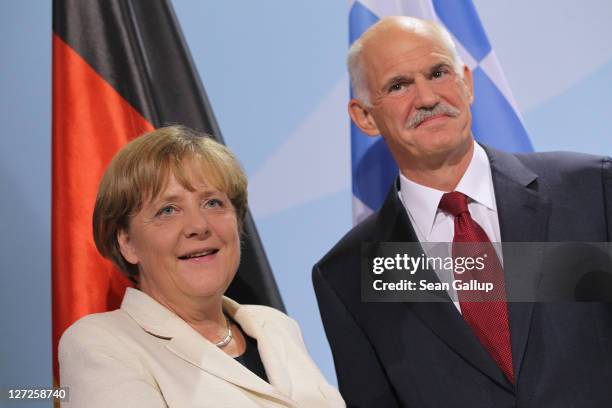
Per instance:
(191,175)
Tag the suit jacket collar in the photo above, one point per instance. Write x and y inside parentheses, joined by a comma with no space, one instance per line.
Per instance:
(517,198)
(190,346)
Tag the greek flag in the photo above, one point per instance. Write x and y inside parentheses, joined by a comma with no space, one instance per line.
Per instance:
(496,120)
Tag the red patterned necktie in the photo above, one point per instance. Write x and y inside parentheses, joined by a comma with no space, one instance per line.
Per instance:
(487,317)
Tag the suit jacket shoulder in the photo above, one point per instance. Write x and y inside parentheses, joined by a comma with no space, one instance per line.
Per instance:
(101,366)
(568,195)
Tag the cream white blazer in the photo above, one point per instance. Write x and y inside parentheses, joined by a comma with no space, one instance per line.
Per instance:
(143,355)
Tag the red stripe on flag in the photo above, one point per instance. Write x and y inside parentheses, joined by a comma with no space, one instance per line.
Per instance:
(91,121)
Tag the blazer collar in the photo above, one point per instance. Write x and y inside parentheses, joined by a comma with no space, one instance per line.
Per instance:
(190,346)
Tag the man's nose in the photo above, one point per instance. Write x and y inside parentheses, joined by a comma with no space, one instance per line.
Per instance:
(425,96)
(196,224)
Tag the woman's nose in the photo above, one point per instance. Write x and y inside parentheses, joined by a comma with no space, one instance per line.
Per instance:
(196,224)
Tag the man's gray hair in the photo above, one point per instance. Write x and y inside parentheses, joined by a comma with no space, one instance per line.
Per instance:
(355,63)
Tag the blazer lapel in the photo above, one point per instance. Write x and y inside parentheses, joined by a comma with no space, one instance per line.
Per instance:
(193,348)
(190,346)
(442,318)
(270,346)
(523,214)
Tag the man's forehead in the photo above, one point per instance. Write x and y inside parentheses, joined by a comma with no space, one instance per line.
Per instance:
(405,52)
(398,40)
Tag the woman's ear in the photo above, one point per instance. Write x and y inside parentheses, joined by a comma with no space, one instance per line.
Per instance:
(127,247)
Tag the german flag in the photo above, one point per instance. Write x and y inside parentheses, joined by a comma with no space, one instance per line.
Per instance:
(120,68)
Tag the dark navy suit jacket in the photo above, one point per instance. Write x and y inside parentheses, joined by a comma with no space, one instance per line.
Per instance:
(424,354)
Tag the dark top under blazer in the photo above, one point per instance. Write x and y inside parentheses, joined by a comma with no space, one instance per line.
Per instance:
(424,355)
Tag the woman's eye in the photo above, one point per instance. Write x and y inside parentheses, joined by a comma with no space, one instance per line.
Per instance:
(166,211)
(214,203)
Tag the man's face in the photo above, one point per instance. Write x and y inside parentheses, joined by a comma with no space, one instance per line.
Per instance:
(419,103)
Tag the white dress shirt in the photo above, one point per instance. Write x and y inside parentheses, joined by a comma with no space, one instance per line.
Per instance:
(434,225)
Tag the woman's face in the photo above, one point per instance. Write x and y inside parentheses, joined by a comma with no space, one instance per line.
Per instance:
(185,243)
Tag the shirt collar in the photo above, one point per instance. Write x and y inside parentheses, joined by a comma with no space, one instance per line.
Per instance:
(477,182)
(422,202)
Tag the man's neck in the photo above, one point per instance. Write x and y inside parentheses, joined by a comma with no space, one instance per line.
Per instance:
(443,175)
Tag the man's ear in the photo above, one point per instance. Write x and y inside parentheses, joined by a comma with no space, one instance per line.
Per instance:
(362,117)
(468,80)
(126,247)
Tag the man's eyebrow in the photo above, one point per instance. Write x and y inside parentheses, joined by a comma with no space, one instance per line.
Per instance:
(439,66)
(408,79)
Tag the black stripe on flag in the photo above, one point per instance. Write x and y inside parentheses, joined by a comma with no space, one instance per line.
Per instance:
(138,48)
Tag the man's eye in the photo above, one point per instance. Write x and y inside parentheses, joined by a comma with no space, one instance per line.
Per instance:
(397,87)
(439,73)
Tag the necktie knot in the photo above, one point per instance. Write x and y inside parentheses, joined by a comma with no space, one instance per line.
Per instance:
(454,203)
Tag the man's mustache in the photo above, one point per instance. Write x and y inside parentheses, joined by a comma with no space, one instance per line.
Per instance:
(425,113)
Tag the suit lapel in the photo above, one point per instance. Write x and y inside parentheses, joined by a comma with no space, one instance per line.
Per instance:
(442,318)
(523,214)
(191,347)
(393,225)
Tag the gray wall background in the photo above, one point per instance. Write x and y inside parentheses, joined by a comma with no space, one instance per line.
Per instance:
(274,72)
